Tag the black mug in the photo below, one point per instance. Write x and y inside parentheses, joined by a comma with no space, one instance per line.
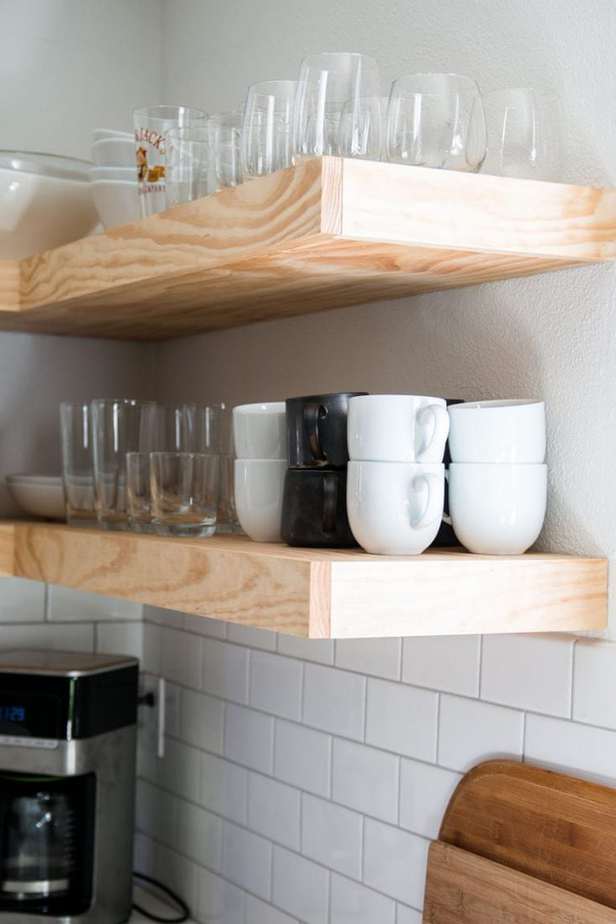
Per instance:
(317,430)
(314,509)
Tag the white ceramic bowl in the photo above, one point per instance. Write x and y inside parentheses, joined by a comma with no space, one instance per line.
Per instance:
(45,201)
(116,151)
(117,202)
(38,495)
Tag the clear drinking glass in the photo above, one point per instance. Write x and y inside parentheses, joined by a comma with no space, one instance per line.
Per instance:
(152,125)
(185,487)
(362,128)
(177,428)
(214,434)
(523,134)
(188,164)
(77,471)
(267,128)
(327,84)
(138,492)
(118,426)
(436,120)
(224,134)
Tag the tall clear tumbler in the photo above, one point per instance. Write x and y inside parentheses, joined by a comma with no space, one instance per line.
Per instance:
(436,120)
(524,136)
(119,426)
(77,471)
(328,83)
(267,128)
(214,434)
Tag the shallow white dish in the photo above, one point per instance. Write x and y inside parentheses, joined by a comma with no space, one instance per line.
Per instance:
(38,495)
(45,201)
(117,151)
(99,134)
(117,202)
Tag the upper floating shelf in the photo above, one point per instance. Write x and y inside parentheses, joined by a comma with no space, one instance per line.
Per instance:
(327,233)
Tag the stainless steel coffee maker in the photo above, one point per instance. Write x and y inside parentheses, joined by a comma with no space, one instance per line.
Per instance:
(67,787)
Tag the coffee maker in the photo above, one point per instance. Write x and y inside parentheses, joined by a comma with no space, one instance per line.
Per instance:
(67,787)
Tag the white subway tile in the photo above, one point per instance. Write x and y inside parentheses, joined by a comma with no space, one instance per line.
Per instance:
(22,600)
(251,637)
(71,637)
(65,605)
(402,719)
(258,912)
(180,769)
(365,779)
(528,671)
(425,791)
(199,835)
(181,657)
(303,757)
(178,873)
(249,738)
(225,670)
(276,684)
(201,720)
(378,656)
(202,625)
(219,901)
(247,860)
(156,812)
(334,700)
(273,810)
(395,862)
(300,887)
(355,904)
(223,787)
(151,659)
(471,731)
(332,835)
(594,684)
(319,650)
(143,854)
(406,915)
(170,619)
(173,698)
(571,747)
(449,663)
(124,638)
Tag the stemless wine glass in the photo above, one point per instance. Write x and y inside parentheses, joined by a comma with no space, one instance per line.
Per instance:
(327,83)
(184,493)
(523,134)
(224,133)
(267,128)
(188,164)
(362,128)
(436,120)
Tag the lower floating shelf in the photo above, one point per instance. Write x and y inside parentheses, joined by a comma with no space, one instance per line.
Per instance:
(316,593)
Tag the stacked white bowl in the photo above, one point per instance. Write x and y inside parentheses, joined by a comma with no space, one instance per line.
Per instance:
(114,177)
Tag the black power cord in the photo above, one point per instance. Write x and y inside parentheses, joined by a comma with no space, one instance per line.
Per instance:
(182,906)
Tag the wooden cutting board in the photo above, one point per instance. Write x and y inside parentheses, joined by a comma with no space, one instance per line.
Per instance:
(462,888)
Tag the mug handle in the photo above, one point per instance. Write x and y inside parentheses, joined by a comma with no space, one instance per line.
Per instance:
(433,511)
(312,413)
(330,502)
(447,516)
(440,426)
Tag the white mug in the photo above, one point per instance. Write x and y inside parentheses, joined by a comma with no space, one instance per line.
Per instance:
(397,428)
(497,431)
(497,509)
(395,508)
(259,485)
(260,430)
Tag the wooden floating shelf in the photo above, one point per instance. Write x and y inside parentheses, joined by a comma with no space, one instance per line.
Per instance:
(327,233)
(316,593)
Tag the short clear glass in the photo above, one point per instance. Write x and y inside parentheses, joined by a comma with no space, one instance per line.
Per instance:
(138,492)
(436,120)
(188,164)
(328,83)
(118,426)
(267,128)
(185,491)
(524,135)
(152,125)
(361,132)
(77,470)
(225,133)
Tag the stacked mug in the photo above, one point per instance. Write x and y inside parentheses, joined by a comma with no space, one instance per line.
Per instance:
(259,432)
(396,476)
(497,476)
(314,505)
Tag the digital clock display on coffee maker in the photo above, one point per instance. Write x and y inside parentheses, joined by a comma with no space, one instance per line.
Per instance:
(13,714)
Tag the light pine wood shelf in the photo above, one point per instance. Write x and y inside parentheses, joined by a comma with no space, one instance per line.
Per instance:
(314,593)
(327,233)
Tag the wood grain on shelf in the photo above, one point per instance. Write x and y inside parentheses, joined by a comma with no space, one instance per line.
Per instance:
(324,234)
(318,593)
(462,888)
(7,549)
(557,828)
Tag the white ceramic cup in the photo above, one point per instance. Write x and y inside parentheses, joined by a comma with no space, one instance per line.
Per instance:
(397,428)
(395,508)
(497,431)
(260,430)
(497,509)
(259,486)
